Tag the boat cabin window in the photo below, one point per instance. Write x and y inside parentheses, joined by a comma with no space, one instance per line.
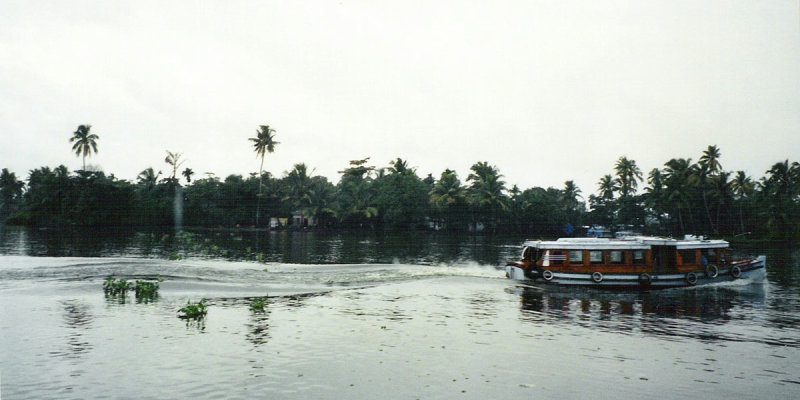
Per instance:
(638,257)
(688,256)
(616,257)
(596,257)
(710,256)
(576,257)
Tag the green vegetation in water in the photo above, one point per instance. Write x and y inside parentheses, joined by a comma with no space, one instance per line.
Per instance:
(193,310)
(175,257)
(257,305)
(116,287)
(145,289)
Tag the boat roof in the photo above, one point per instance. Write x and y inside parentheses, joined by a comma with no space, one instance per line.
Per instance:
(627,243)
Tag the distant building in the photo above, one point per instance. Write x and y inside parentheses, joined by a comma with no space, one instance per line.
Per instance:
(301,221)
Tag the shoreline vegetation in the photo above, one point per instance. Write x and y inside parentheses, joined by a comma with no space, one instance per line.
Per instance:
(683,197)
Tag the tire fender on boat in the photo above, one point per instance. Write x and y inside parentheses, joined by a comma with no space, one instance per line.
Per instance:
(597,277)
(712,271)
(736,271)
(645,278)
(547,275)
(691,278)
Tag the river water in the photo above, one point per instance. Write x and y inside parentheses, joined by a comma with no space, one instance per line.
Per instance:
(415,316)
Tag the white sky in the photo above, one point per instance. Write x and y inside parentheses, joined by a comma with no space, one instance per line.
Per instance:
(545,90)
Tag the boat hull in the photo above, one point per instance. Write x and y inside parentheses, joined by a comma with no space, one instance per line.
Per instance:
(753,270)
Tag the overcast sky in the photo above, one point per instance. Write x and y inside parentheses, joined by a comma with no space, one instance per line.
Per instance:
(545,90)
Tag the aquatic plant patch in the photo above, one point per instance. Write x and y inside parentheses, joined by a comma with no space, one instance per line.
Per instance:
(145,289)
(193,310)
(115,287)
(257,305)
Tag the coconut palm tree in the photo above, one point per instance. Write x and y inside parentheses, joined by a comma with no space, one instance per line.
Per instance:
(655,194)
(10,191)
(743,188)
(628,176)
(706,171)
(148,177)
(399,166)
(85,142)
(607,187)
(187,173)
(487,191)
(710,159)
(299,185)
(677,174)
(263,143)
(449,199)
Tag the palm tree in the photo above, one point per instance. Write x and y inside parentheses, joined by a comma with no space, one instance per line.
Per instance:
(148,177)
(742,187)
(707,170)
(448,198)
(447,190)
(723,193)
(570,196)
(677,176)
(710,159)
(187,173)
(487,190)
(628,176)
(399,166)
(263,143)
(174,160)
(299,185)
(85,142)
(10,191)
(607,187)
(780,189)
(655,194)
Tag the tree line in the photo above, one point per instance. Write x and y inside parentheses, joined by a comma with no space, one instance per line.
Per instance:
(681,197)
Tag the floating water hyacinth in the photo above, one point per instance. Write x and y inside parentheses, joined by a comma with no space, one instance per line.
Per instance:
(114,287)
(193,310)
(257,305)
(146,289)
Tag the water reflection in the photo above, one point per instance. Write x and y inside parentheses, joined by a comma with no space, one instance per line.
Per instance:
(279,247)
(78,320)
(258,327)
(680,313)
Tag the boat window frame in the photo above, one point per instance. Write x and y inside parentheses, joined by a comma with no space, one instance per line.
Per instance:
(611,257)
(594,253)
(578,252)
(638,261)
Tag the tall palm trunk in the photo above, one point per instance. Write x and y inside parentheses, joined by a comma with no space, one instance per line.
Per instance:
(708,213)
(260,186)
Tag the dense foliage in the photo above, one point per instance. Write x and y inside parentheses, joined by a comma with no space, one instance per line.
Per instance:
(682,197)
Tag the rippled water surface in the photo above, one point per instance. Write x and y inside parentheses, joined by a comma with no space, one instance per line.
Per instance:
(416,316)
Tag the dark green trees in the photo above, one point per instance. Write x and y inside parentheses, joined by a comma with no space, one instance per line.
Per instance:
(10,193)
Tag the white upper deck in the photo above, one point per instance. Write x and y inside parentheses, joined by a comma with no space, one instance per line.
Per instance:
(628,243)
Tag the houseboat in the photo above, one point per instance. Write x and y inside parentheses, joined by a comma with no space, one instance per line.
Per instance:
(634,262)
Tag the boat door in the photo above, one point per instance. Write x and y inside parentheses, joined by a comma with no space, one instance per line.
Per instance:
(664,259)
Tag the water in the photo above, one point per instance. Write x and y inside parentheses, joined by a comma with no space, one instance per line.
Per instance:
(364,316)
